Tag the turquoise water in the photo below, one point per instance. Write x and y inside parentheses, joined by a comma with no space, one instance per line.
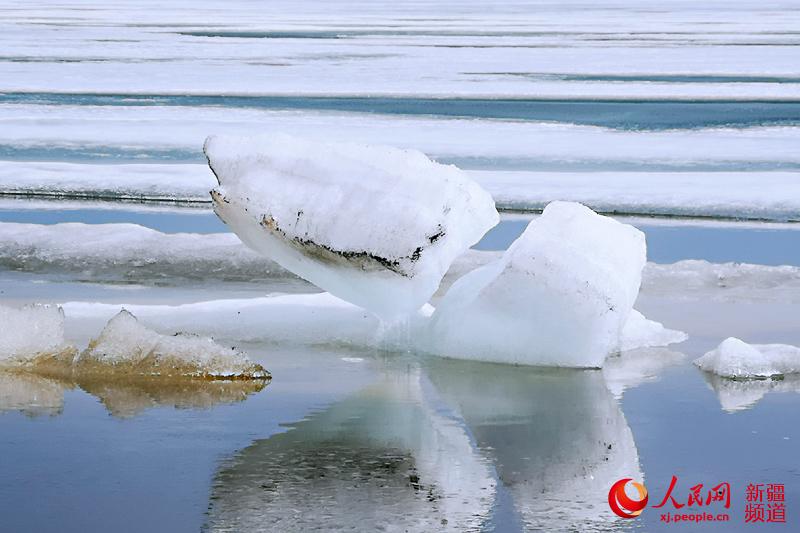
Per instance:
(625,114)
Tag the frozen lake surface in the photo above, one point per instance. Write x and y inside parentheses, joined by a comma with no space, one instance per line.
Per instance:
(682,119)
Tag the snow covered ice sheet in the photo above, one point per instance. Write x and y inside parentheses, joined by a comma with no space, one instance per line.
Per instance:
(603,49)
(376,226)
(736,359)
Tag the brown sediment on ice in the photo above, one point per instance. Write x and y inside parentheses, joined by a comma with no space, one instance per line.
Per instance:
(363,260)
(126,349)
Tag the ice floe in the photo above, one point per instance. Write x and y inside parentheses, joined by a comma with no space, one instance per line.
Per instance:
(560,295)
(758,195)
(128,347)
(640,332)
(599,50)
(736,359)
(33,340)
(377,226)
(727,281)
(32,333)
(129,252)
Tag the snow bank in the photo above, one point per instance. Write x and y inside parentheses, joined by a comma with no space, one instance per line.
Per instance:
(32,333)
(736,359)
(127,346)
(376,226)
(559,296)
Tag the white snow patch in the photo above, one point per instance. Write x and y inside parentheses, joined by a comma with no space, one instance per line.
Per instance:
(736,359)
(376,226)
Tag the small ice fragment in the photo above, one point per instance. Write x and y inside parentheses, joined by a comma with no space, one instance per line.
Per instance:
(559,296)
(376,226)
(32,333)
(126,346)
(639,332)
(734,358)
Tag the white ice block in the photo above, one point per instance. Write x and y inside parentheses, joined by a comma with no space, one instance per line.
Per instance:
(376,226)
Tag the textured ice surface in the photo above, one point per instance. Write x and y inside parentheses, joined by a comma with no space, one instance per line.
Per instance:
(600,49)
(292,320)
(169,183)
(760,195)
(376,226)
(126,346)
(736,359)
(734,281)
(560,295)
(130,252)
(30,333)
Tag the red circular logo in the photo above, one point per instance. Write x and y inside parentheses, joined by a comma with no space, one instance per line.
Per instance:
(622,504)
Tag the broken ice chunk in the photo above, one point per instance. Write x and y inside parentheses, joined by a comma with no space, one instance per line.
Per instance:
(376,226)
(31,333)
(126,346)
(640,332)
(736,359)
(559,296)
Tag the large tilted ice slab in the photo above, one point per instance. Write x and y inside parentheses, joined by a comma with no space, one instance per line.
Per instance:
(376,226)
(736,359)
(559,296)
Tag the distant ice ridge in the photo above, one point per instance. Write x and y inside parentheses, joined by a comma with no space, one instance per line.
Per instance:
(377,226)
(769,195)
(560,295)
(33,340)
(736,359)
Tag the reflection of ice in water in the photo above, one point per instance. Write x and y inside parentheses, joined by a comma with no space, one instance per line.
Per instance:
(632,368)
(738,395)
(558,439)
(388,458)
(31,394)
(425,453)
(124,397)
